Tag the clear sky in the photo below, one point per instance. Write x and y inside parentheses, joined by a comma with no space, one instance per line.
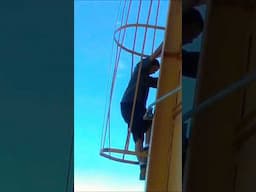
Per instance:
(94,27)
(94,61)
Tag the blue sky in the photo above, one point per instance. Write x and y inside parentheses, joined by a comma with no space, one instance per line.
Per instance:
(94,27)
(94,61)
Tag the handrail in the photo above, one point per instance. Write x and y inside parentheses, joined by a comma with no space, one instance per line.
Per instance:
(220,95)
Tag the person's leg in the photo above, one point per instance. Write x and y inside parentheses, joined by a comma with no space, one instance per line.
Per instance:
(126,112)
(126,109)
(139,128)
(138,140)
(148,134)
(139,149)
(142,160)
(138,136)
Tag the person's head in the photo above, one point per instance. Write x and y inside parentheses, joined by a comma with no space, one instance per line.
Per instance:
(154,67)
(192,25)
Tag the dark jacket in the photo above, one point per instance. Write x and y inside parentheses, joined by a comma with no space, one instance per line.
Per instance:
(145,83)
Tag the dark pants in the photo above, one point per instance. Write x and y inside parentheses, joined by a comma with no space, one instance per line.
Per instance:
(139,126)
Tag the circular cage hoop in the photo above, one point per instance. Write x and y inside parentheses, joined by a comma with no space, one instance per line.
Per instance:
(107,152)
(110,152)
(131,26)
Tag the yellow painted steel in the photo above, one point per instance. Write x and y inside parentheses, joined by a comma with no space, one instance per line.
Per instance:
(213,164)
(246,156)
(165,159)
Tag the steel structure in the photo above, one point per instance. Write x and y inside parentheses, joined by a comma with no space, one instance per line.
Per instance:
(220,154)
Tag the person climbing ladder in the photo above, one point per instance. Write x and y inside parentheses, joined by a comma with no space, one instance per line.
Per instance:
(192,26)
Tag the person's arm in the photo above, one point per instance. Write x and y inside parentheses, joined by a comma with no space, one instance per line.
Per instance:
(157,52)
(153,82)
(146,63)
